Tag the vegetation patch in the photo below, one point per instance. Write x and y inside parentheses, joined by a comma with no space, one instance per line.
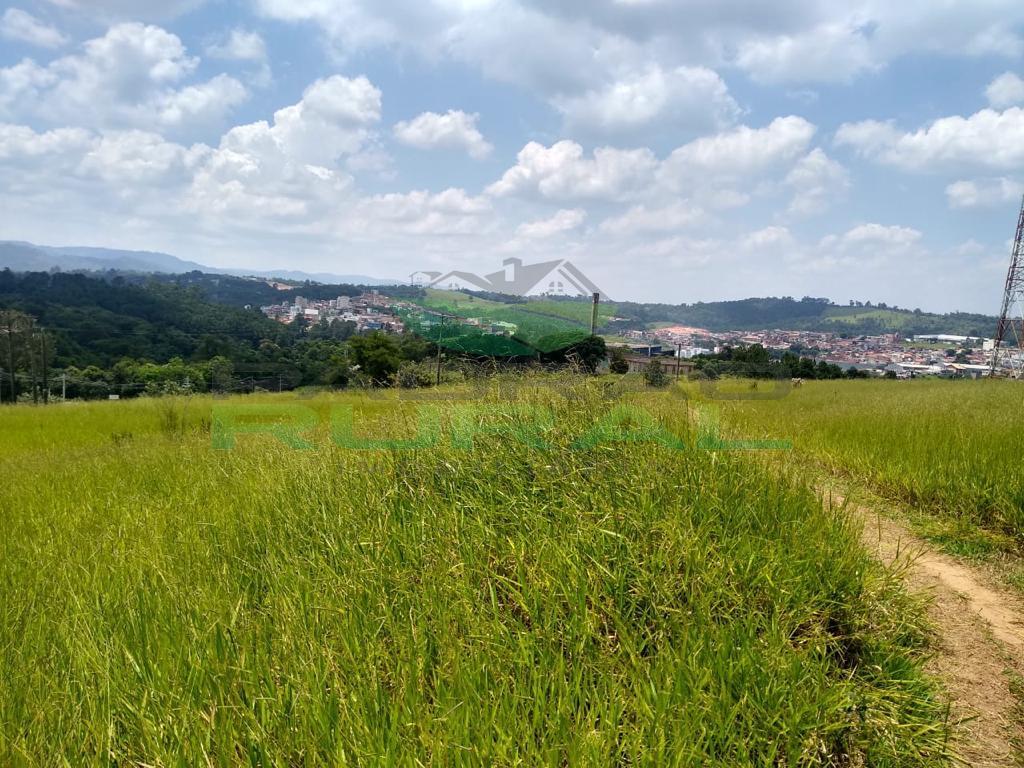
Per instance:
(494,604)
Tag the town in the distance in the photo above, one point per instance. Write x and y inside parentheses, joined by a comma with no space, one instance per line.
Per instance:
(892,353)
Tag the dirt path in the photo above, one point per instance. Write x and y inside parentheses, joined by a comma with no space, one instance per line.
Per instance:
(980,639)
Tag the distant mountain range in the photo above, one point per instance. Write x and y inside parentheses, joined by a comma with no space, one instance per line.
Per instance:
(28,257)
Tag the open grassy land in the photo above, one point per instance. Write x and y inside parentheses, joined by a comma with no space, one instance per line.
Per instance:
(535,319)
(950,448)
(517,593)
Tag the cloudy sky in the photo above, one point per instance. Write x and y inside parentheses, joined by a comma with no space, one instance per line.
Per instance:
(676,150)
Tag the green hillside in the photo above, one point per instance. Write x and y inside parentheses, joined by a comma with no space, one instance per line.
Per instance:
(808,314)
(541,325)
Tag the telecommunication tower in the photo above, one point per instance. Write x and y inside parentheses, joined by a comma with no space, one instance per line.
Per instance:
(1008,352)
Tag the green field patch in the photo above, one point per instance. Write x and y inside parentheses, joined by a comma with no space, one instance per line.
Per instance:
(486,605)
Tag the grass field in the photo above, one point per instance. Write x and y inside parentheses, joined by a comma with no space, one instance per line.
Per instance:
(166,603)
(536,319)
(948,448)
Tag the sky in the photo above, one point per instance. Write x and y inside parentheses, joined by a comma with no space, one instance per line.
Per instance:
(674,150)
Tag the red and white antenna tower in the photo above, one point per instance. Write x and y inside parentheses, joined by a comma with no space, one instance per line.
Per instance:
(1008,352)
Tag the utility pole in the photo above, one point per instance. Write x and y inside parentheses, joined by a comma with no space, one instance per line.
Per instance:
(10,356)
(593,314)
(33,363)
(46,375)
(63,387)
(679,357)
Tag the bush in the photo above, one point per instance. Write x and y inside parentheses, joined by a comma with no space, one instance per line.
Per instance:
(415,375)
(654,374)
(618,362)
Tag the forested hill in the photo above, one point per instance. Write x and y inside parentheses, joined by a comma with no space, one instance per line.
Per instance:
(809,314)
(98,322)
(240,291)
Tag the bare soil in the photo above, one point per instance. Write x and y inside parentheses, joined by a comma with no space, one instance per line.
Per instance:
(980,639)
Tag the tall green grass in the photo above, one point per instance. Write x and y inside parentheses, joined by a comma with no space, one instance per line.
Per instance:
(162,603)
(947,447)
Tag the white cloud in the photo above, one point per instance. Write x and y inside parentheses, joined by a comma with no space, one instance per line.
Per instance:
(566,49)
(239,45)
(209,101)
(817,180)
(17,24)
(20,143)
(983,192)
(680,252)
(140,157)
(1006,90)
(290,168)
(563,221)
(561,172)
(694,97)
(665,218)
(451,212)
(712,170)
(128,78)
(829,53)
(866,245)
(738,154)
(986,139)
(770,238)
(453,130)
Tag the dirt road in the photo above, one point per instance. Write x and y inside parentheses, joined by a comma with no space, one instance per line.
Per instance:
(980,645)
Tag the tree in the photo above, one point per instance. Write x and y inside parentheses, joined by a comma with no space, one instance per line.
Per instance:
(654,374)
(589,352)
(377,355)
(618,361)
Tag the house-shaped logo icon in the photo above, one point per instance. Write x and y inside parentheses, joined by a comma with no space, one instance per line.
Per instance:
(548,278)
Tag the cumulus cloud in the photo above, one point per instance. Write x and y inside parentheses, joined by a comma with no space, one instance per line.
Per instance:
(21,143)
(20,25)
(739,153)
(563,221)
(866,245)
(246,47)
(453,130)
(987,139)
(239,45)
(981,193)
(289,168)
(694,97)
(1006,90)
(451,212)
(817,180)
(140,157)
(566,50)
(563,172)
(677,215)
(712,171)
(829,53)
(130,77)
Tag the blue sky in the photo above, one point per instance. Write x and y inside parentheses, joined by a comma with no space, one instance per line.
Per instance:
(676,151)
